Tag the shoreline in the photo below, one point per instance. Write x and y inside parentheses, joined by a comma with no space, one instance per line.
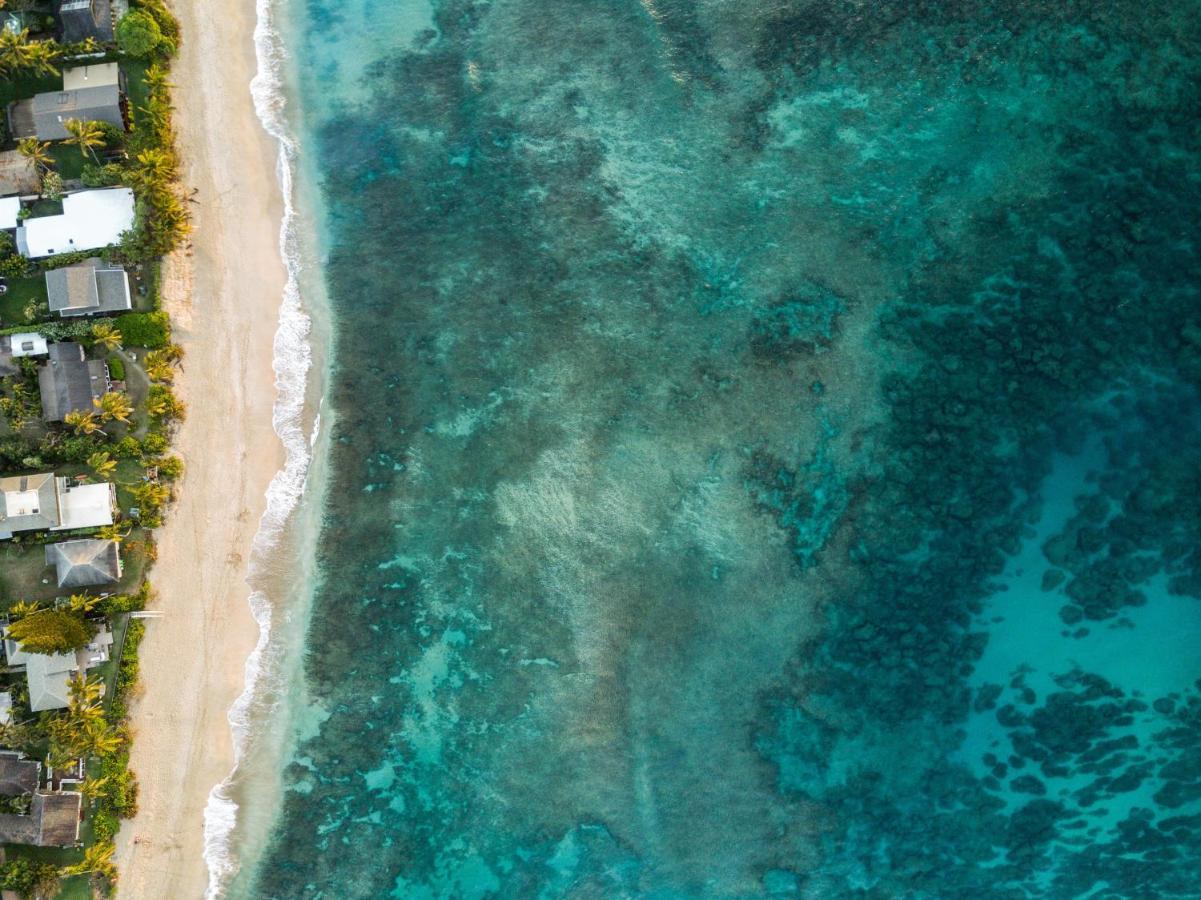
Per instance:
(223,292)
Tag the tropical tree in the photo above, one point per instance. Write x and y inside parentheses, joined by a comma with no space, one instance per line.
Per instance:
(95,786)
(23,608)
(83,699)
(51,631)
(100,740)
(82,603)
(97,860)
(36,152)
(106,335)
(111,533)
(87,136)
(151,495)
(16,51)
(138,34)
(52,185)
(113,405)
(156,166)
(162,403)
(158,366)
(101,463)
(82,422)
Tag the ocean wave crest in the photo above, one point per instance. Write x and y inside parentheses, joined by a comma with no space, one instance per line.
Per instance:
(292,360)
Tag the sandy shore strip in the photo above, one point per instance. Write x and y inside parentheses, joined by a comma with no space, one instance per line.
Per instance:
(223,294)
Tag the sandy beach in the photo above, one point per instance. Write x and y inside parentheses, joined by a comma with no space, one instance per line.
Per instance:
(223,293)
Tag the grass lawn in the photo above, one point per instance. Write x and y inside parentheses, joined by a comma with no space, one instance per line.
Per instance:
(21,292)
(68,161)
(23,573)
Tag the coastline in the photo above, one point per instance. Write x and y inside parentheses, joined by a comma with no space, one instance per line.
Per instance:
(223,292)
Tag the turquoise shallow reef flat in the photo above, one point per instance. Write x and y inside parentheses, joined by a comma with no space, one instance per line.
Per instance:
(765,456)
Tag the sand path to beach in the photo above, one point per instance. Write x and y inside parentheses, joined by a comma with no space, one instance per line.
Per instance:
(223,294)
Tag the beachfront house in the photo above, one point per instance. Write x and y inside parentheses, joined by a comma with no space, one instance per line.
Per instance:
(88,288)
(17,346)
(70,382)
(36,816)
(93,93)
(82,19)
(44,502)
(49,674)
(85,563)
(89,220)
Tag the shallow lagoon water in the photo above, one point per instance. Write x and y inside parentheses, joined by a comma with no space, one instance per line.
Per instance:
(741,411)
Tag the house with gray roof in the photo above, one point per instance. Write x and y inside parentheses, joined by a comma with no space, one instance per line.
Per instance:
(69,381)
(30,504)
(85,563)
(53,817)
(82,19)
(90,94)
(89,288)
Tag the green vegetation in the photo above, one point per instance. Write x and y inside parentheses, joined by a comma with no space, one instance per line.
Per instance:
(124,439)
(151,330)
(51,631)
(138,34)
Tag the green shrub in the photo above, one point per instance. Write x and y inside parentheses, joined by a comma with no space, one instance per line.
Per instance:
(127,448)
(151,330)
(116,368)
(169,467)
(115,604)
(138,34)
(105,823)
(153,444)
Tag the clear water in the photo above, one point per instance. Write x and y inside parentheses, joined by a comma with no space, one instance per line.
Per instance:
(764,455)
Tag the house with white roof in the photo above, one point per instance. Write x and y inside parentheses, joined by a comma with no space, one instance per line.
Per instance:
(89,220)
(9,207)
(44,502)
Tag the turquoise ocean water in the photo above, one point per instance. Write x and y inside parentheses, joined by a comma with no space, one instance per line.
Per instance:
(763,452)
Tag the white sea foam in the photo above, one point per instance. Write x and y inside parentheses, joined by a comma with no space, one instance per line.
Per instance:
(292,362)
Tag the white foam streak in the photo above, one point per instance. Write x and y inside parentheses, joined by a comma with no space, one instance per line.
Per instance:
(292,361)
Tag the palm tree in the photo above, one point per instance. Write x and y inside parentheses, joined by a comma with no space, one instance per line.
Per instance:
(83,702)
(15,51)
(94,786)
(158,368)
(42,55)
(82,422)
(156,78)
(97,860)
(83,603)
(111,533)
(106,335)
(114,405)
(85,135)
(101,740)
(101,463)
(22,608)
(37,152)
(157,166)
(151,495)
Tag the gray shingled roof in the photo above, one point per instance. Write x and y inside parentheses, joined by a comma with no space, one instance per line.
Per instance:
(86,18)
(85,562)
(58,818)
(69,382)
(100,103)
(87,288)
(28,503)
(17,775)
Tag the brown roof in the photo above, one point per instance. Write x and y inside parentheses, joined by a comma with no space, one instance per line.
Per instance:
(58,818)
(18,776)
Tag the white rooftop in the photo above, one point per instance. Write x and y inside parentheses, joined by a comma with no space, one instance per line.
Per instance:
(28,343)
(90,220)
(21,503)
(91,76)
(85,506)
(6,708)
(9,207)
